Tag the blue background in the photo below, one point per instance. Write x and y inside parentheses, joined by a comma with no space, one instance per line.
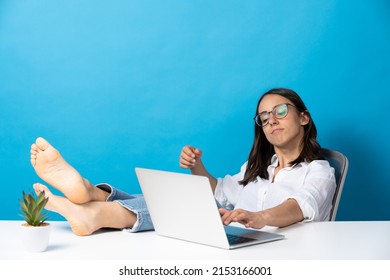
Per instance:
(119,84)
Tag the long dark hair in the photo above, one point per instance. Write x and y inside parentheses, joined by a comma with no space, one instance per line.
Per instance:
(262,151)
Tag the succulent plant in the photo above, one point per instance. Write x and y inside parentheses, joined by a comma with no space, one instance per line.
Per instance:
(32,207)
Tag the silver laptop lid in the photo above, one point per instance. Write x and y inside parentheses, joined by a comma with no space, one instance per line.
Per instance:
(182,206)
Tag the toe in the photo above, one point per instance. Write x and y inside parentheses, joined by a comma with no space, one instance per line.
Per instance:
(36,188)
(34,148)
(42,144)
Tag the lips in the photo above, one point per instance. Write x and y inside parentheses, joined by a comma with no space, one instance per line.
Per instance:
(276,130)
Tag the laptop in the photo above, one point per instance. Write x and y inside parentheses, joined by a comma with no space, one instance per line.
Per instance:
(182,206)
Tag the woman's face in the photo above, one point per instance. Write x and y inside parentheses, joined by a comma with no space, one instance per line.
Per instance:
(286,132)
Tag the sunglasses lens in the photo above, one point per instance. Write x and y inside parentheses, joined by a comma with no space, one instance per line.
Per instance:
(258,120)
(264,118)
(280,111)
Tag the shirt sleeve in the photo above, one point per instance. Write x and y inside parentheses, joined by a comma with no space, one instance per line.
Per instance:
(316,194)
(228,189)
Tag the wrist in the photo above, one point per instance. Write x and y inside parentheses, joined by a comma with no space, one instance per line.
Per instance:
(266,216)
(197,168)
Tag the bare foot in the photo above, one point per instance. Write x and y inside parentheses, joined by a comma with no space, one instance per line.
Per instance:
(53,169)
(78,216)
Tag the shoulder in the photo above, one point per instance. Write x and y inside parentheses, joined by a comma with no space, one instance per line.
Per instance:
(319,163)
(317,167)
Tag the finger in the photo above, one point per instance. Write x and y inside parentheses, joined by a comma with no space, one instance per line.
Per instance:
(193,152)
(185,163)
(197,152)
(187,157)
(229,216)
(224,215)
(241,218)
(249,224)
(189,151)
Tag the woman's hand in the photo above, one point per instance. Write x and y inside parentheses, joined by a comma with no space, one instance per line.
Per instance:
(190,157)
(248,219)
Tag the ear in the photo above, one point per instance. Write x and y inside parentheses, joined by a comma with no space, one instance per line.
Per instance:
(305,118)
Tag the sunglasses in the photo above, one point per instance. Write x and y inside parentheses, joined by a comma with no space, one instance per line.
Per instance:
(279,112)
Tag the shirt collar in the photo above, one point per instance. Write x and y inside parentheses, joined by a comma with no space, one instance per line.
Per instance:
(275,162)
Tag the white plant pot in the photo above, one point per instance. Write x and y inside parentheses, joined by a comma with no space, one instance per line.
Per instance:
(36,239)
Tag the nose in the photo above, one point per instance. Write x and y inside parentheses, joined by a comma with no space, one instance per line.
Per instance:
(272,120)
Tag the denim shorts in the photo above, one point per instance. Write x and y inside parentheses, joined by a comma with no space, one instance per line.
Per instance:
(134,203)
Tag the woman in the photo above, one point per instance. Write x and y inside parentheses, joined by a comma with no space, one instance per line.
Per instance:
(284,181)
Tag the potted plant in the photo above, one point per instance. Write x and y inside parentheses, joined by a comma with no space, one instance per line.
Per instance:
(35,231)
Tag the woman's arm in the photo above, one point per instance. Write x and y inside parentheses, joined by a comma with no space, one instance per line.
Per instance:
(285,214)
(190,158)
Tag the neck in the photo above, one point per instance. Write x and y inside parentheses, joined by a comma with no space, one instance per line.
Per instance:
(285,156)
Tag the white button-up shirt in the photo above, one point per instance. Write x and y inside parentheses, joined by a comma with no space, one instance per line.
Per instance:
(312,185)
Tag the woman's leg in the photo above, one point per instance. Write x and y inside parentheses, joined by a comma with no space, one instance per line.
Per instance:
(84,219)
(53,169)
(86,207)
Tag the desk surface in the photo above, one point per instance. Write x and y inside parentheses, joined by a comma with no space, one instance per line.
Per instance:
(303,241)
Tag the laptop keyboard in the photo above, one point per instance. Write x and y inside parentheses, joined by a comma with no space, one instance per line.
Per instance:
(234,239)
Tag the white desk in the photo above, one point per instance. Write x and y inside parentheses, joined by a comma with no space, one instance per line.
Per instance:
(304,241)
